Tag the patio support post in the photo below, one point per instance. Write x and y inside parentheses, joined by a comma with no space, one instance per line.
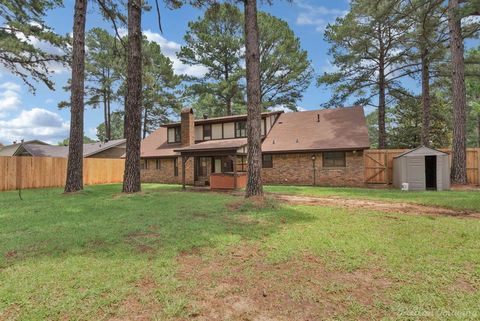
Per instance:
(235,171)
(184,160)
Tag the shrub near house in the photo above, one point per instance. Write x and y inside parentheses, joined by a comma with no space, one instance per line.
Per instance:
(321,147)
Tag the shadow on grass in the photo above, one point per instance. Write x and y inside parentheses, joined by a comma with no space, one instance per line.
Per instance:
(161,221)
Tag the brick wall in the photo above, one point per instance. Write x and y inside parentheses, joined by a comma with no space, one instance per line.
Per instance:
(293,169)
(297,169)
(166,172)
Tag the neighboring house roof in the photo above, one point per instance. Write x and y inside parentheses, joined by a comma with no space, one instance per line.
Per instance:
(43,150)
(317,130)
(10,150)
(211,145)
(422,151)
(155,145)
(95,148)
(222,119)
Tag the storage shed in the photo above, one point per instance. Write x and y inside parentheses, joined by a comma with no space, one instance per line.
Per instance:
(422,168)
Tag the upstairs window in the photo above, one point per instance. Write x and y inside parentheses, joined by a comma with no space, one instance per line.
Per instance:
(267,161)
(241,129)
(178,135)
(174,134)
(207,132)
(334,159)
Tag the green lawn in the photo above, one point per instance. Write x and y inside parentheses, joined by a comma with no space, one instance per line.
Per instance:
(165,254)
(463,200)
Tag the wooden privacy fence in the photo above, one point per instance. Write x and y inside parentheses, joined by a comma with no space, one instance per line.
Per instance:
(37,172)
(379,165)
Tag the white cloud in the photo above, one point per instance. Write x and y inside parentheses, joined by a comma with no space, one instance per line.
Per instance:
(37,123)
(49,101)
(9,98)
(316,15)
(285,108)
(170,49)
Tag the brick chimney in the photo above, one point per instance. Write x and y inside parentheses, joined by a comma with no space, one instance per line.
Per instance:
(187,127)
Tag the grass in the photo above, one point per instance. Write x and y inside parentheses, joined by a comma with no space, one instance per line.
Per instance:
(101,255)
(462,200)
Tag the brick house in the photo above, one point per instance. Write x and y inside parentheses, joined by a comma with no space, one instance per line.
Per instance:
(316,147)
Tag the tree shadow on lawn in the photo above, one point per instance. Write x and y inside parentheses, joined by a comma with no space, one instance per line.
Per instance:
(89,255)
(162,220)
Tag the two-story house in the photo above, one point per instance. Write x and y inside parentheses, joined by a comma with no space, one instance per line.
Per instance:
(320,147)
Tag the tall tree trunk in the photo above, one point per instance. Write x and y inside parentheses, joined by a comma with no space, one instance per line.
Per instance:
(382,132)
(144,123)
(133,112)
(459,144)
(229,106)
(105,116)
(252,57)
(229,98)
(109,114)
(74,180)
(425,136)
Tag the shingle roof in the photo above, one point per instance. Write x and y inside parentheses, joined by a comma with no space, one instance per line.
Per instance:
(327,129)
(10,150)
(220,144)
(40,149)
(155,145)
(94,148)
(338,129)
(46,150)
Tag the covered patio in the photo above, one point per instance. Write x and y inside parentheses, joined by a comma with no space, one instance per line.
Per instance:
(219,164)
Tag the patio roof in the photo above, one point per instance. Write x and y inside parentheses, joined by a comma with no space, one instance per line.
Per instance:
(214,146)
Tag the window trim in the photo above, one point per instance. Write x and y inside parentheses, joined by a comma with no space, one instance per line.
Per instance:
(268,164)
(237,128)
(344,158)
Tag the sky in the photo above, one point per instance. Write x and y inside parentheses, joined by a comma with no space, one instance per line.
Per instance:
(24,115)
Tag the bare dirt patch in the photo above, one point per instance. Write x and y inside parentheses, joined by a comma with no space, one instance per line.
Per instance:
(139,306)
(242,285)
(382,206)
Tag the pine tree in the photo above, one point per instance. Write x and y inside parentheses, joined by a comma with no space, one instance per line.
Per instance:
(252,57)
(215,42)
(21,22)
(74,181)
(367,48)
(133,121)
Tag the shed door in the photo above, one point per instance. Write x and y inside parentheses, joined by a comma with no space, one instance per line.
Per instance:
(416,172)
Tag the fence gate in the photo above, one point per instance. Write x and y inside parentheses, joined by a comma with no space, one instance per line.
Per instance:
(376,167)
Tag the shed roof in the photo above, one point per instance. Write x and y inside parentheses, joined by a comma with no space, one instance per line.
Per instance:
(421,151)
(316,130)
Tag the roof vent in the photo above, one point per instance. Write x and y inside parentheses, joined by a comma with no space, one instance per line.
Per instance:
(297,140)
(273,142)
(318,118)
